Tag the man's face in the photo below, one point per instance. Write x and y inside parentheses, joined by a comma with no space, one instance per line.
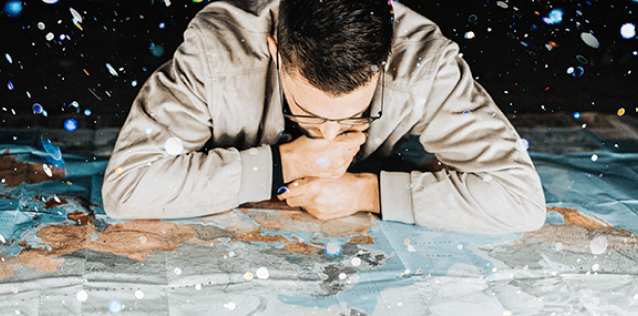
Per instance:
(304,99)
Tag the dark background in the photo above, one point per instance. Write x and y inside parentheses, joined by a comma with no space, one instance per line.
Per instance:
(507,55)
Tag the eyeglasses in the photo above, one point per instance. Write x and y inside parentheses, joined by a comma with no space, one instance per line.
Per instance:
(308,119)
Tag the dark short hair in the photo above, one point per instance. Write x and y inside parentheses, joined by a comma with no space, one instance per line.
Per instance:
(337,45)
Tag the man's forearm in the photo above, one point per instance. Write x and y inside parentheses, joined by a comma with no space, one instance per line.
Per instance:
(371,197)
(286,163)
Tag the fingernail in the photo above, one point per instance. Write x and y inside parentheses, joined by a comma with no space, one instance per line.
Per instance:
(283,190)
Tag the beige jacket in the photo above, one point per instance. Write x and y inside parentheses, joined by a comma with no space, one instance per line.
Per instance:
(195,141)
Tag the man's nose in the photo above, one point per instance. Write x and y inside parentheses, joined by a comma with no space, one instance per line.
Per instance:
(329,129)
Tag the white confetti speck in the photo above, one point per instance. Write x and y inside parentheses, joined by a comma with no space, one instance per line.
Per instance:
(139,294)
(143,239)
(411,248)
(82,296)
(198,287)
(355,261)
(590,39)
(2,239)
(342,276)
(559,246)
(502,4)
(173,146)
(49,36)
(595,267)
(459,246)
(76,16)
(487,178)
(230,306)
(598,245)
(47,170)
(111,69)
(178,271)
(262,273)
(594,157)
(521,144)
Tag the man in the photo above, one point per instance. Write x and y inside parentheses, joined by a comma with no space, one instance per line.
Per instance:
(349,79)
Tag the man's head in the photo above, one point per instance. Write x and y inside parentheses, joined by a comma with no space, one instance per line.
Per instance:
(331,53)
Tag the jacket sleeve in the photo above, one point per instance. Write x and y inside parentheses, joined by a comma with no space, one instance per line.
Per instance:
(159,168)
(488,183)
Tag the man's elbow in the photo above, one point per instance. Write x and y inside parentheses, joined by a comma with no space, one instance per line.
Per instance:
(112,209)
(111,203)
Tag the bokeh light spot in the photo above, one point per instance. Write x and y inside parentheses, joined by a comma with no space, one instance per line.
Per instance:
(555,16)
(70,125)
(628,30)
(115,306)
(13,9)
(333,248)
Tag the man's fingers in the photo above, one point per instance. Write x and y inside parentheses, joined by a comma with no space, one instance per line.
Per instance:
(295,201)
(293,189)
(353,137)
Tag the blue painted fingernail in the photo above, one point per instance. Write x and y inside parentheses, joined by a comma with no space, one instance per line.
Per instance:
(283,190)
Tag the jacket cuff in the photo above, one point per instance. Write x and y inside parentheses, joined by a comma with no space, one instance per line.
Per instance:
(256,174)
(396,197)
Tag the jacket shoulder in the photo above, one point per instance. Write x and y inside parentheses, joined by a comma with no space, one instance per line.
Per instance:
(410,26)
(417,48)
(234,34)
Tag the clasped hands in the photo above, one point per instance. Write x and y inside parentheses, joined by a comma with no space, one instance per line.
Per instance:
(321,184)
